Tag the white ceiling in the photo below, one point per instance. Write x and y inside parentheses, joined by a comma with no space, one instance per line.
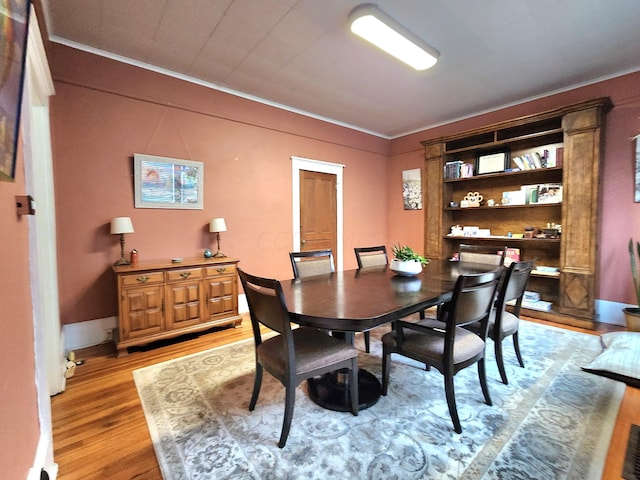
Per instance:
(300,53)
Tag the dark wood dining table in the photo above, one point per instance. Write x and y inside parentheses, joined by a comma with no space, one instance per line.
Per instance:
(352,301)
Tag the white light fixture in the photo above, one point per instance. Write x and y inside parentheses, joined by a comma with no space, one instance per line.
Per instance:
(216,226)
(120,226)
(372,24)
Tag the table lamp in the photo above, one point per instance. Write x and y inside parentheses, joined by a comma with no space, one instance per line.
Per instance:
(216,226)
(120,226)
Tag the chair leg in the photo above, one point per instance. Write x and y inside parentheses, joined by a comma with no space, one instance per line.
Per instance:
(289,403)
(257,382)
(386,367)
(516,347)
(353,386)
(482,374)
(500,361)
(367,342)
(451,402)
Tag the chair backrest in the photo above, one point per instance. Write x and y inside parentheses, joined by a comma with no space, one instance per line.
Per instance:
(514,284)
(371,256)
(472,300)
(489,254)
(266,301)
(313,262)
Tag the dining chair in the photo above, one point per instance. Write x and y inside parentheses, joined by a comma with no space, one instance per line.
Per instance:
(503,323)
(293,355)
(371,256)
(489,254)
(312,262)
(444,343)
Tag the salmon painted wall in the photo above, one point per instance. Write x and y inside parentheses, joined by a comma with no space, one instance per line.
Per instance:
(620,215)
(19,431)
(104,112)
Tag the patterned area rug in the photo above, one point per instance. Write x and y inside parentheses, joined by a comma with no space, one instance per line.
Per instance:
(552,420)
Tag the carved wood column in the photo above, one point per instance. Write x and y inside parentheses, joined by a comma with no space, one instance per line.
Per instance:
(433,198)
(583,138)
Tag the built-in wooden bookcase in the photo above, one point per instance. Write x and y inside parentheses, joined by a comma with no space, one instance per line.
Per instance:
(573,135)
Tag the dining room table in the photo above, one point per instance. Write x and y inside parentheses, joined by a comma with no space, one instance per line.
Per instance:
(350,301)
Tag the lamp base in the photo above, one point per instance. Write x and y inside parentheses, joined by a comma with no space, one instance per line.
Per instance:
(122,261)
(219,255)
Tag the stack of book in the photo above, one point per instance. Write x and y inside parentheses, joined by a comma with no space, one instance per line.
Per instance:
(531,300)
(457,169)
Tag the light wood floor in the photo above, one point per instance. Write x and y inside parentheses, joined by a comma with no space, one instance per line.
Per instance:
(99,429)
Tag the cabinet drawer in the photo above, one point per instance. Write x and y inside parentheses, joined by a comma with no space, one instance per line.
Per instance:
(222,269)
(184,274)
(137,279)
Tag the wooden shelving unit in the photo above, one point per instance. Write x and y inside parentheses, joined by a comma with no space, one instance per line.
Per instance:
(577,130)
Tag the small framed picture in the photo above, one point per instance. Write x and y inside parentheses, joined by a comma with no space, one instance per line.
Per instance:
(493,162)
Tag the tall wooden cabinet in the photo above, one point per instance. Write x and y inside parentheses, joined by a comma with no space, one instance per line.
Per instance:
(575,133)
(158,300)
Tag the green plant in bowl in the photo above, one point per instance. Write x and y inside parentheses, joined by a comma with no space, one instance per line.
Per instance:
(405,253)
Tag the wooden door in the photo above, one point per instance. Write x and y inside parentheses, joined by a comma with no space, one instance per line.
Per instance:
(318,211)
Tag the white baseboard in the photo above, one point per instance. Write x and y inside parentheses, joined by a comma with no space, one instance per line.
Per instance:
(43,460)
(94,332)
(611,312)
(86,334)
(243,306)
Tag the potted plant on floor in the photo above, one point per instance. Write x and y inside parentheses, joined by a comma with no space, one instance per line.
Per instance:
(632,314)
(406,261)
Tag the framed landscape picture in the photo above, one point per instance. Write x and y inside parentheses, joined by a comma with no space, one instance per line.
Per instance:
(14,19)
(161,182)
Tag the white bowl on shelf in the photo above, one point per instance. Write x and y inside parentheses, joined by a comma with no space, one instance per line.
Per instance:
(406,268)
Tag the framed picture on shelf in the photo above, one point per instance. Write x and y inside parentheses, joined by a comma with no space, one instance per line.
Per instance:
(494,162)
(161,182)
(14,20)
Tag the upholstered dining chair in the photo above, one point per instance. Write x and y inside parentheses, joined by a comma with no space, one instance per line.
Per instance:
(489,254)
(444,343)
(503,323)
(312,262)
(371,256)
(293,355)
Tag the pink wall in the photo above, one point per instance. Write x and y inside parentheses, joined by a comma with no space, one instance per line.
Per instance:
(19,431)
(104,112)
(620,217)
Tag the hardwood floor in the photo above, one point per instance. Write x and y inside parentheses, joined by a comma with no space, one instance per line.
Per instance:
(99,429)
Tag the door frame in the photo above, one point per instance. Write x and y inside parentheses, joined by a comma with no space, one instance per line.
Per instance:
(300,163)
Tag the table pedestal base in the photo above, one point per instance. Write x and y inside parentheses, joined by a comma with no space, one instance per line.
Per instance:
(331,390)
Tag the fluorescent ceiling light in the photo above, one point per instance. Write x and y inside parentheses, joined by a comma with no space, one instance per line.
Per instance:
(372,24)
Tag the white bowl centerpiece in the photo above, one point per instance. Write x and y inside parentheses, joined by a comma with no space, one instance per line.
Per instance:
(406,261)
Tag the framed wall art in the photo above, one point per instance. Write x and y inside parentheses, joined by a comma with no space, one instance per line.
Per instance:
(494,162)
(412,189)
(161,182)
(14,22)
(636,144)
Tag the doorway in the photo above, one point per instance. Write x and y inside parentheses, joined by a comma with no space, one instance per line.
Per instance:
(305,168)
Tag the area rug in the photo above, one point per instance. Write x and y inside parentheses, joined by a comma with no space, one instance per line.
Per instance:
(553,421)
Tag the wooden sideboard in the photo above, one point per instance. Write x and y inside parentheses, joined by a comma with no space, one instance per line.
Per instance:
(164,299)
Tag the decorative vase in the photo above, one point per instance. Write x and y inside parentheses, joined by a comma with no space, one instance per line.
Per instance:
(406,267)
(632,317)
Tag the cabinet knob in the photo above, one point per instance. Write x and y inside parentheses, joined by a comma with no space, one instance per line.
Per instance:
(221,269)
(142,278)
(185,274)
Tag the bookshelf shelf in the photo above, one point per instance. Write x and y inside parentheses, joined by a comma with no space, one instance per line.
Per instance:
(568,139)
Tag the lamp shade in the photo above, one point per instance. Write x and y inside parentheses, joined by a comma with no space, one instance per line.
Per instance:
(217,225)
(121,225)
